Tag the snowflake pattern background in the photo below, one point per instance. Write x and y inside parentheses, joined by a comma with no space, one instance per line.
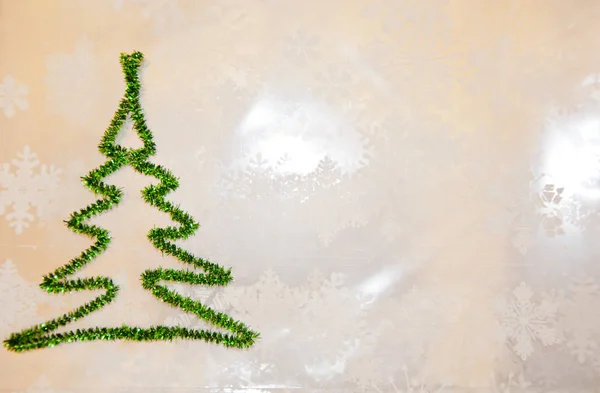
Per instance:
(12,96)
(27,188)
(406,192)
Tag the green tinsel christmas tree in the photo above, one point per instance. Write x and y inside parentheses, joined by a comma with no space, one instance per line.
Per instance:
(42,335)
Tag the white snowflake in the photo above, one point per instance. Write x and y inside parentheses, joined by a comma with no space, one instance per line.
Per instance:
(12,95)
(321,317)
(512,383)
(164,13)
(301,46)
(72,83)
(523,321)
(17,299)
(522,238)
(30,185)
(336,83)
(331,319)
(582,318)
(256,304)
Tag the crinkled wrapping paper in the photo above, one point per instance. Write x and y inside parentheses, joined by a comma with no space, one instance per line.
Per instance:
(406,191)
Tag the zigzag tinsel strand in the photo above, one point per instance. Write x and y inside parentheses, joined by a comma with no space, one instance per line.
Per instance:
(44,335)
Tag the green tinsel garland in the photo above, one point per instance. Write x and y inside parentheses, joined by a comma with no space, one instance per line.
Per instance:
(40,336)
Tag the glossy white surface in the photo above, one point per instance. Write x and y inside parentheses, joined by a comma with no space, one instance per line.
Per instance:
(407,191)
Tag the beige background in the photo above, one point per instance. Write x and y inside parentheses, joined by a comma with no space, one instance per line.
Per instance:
(406,191)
